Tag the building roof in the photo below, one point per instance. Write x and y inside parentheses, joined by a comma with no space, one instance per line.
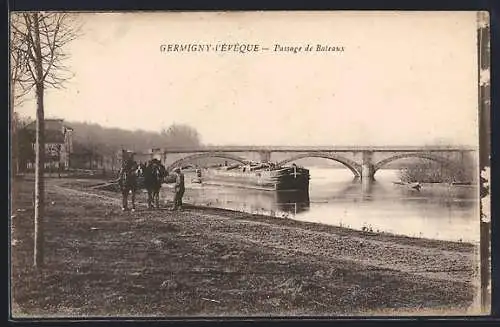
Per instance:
(54,130)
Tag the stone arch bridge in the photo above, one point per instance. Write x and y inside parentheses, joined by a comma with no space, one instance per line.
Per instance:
(363,162)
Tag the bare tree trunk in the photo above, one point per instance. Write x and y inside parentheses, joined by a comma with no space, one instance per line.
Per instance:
(40,153)
(14,142)
(39,179)
(14,146)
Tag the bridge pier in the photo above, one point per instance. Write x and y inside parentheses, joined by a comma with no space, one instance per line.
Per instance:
(367,167)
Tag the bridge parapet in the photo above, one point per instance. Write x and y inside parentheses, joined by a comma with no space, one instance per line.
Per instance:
(445,148)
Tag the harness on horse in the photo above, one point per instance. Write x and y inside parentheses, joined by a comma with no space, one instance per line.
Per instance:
(127,174)
(156,173)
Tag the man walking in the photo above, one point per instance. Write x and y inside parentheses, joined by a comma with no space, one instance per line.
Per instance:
(179,189)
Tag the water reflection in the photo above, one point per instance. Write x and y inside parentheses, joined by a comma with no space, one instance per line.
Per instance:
(293,202)
(436,211)
(283,204)
(345,190)
(367,189)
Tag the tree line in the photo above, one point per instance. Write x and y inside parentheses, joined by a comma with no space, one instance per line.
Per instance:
(106,141)
(461,170)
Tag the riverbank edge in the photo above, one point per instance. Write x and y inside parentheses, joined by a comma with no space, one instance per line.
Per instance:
(315,226)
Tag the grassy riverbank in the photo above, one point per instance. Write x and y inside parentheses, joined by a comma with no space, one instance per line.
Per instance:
(212,262)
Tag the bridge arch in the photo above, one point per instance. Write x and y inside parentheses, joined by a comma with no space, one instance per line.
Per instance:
(445,161)
(352,165)
(206,155)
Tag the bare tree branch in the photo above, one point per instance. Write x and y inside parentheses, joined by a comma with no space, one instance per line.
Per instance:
(56,31)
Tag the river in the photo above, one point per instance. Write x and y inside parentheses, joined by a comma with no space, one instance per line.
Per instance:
(437,211)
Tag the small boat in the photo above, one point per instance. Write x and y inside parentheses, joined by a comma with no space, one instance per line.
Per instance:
(415,186)
(261,176)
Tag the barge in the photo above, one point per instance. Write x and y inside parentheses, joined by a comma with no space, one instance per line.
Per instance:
(262,176)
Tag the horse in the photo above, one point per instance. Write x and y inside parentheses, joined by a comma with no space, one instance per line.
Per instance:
(154,176)
(128,183)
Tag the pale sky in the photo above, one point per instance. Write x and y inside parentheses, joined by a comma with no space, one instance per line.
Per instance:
(402,79)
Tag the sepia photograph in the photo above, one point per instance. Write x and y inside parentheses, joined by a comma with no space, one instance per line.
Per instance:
(249,164)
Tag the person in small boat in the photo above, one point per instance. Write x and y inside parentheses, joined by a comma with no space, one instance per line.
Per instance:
(417,186)
(179,189)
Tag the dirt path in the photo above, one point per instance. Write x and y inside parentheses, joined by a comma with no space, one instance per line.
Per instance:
(213,262)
